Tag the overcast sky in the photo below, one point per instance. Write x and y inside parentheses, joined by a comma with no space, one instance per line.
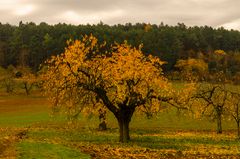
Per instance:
(215,13)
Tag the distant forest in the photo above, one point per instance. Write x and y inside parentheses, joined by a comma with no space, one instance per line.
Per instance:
(29,44)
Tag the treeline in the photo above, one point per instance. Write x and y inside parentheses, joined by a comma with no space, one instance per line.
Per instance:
(29,44)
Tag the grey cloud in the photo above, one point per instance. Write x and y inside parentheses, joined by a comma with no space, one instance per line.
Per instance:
(190,12)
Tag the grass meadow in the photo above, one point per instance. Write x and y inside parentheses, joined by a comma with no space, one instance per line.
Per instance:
(27,130)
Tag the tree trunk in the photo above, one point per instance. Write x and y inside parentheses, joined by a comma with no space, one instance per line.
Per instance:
(238,129)
(124,117)
(102,126)
(123,130)
(219,124)
(26,89)
(102,119)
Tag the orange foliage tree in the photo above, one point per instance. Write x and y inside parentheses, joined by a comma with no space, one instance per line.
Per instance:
(123,79)
(192,68)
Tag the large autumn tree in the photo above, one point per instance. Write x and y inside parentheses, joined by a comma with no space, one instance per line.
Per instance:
(123,79)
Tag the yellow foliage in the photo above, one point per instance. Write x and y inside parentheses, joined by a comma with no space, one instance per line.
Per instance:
(76,73)
(147,27)
(192,67)
(220,52)
(84,79)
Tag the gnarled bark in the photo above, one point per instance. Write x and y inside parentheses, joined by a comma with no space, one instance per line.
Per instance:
(124,116)
(238,129)
(219,124)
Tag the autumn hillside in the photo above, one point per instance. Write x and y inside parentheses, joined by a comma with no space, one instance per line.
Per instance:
(101,100)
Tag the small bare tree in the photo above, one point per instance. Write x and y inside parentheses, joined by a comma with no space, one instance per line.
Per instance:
(27,79)
(234,109)
(212,100)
